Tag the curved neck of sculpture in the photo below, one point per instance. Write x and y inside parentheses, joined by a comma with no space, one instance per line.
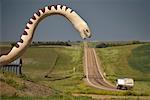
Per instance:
(27,36)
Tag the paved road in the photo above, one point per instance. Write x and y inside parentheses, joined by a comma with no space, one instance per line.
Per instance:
(93,73)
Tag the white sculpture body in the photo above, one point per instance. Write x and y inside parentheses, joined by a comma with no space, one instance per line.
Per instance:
(28,33)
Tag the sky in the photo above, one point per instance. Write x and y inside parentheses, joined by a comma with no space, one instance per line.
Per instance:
(109,20)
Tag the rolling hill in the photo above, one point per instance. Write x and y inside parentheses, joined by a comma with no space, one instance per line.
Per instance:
(131,61)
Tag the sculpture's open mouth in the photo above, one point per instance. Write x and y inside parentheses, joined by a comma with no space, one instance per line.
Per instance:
(86,34)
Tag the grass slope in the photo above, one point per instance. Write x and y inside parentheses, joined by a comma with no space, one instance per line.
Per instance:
(140,59)
(58,64)
(63,67)
(53,97)
(128,61)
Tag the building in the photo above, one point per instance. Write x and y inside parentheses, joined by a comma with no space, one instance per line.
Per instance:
(13,67)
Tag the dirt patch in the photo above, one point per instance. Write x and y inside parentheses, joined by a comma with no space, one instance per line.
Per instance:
(33,89)
(6,89)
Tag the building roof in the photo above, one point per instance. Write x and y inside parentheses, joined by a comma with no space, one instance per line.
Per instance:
(16,62)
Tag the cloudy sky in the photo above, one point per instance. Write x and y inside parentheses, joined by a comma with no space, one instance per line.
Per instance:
(108,19)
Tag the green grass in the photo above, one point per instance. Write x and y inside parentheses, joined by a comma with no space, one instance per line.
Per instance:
(92,44)
(67,60)
(128,61)
(53,97)
(12,80)
(38,61)
(62,65)
(140,57)
(46,57)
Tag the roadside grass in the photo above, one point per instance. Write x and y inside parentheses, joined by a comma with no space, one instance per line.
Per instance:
(131,61)
(12,80)
(83,88)
(53,97)
(92,44)
(67,60)
(63,67)
(43,59)
(37,62)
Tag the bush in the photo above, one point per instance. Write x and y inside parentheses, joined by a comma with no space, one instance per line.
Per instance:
(102,45)
(116,43)
(60,43)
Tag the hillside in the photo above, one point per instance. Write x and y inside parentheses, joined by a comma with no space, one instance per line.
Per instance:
(57,67)
(127,61)
(61,69)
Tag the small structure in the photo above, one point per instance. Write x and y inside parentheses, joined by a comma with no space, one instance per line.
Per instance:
(125,83)
(14,67)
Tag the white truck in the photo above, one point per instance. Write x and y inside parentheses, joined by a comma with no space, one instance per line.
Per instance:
(125,83)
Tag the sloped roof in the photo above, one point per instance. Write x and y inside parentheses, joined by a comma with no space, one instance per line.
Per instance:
(16,62)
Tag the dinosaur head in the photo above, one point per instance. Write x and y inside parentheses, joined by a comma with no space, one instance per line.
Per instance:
(84,31)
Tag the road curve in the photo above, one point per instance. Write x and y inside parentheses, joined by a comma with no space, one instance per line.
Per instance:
(93,74)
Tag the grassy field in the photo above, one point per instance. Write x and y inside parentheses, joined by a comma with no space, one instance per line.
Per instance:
(61,69)
(53,97)
(128,61)
(62,66)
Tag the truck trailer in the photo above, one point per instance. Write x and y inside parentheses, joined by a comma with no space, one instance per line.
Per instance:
(125,83)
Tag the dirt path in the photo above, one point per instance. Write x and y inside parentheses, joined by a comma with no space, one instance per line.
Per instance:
(93,74)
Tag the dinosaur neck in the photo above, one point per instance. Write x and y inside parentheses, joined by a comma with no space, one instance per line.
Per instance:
(72,16)
(28,33)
